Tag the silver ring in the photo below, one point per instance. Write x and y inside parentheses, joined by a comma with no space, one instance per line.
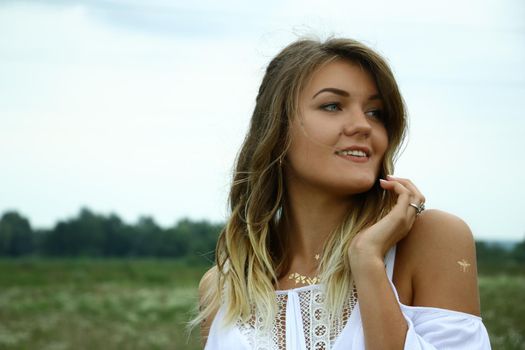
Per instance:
(419,208)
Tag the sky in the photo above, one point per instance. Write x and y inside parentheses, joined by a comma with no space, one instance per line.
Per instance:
(139,107)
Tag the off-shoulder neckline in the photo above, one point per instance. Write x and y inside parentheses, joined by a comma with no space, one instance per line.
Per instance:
(439,310)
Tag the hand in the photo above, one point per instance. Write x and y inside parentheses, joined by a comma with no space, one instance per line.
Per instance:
(373,242)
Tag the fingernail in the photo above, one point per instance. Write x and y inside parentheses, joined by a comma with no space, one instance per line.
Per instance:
(390,176)
(381,180)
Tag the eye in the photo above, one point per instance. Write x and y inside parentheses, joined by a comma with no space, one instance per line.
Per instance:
(376,114)
(329,107)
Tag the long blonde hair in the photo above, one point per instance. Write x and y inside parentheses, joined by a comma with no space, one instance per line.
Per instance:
(251,254)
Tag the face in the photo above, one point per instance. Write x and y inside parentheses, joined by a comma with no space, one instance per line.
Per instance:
(340,108)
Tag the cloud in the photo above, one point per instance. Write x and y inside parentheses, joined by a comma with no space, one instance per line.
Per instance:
(203,19)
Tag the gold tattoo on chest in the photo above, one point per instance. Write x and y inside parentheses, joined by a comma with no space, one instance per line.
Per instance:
(464,265)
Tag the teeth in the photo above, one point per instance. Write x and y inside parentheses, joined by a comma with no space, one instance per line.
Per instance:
(355,153)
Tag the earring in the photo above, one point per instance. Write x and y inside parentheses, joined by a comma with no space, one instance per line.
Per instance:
(280,162)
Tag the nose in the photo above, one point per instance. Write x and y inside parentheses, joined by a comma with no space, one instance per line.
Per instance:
(357,123)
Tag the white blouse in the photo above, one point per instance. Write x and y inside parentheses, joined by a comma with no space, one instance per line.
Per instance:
(303,324)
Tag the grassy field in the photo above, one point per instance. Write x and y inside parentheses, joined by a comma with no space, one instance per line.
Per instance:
(96,304)
(144,304)
(503,310)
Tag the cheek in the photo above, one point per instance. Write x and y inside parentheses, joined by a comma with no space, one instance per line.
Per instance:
(318,133)
(382,140)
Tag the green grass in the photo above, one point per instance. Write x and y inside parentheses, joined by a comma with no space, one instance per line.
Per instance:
(503,310)
(96,304)
(145,304)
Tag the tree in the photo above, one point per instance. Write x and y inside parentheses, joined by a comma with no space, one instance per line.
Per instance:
(488,253)
(146,235)
(81,236)
(518,253)
(117,237)
(16,236)
(199,238)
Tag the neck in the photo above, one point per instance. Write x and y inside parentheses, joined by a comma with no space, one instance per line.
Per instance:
(310,218)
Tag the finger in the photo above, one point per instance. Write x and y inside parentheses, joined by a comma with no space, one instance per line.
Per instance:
(405,197)
(417,199)
(403,193)
(410,185)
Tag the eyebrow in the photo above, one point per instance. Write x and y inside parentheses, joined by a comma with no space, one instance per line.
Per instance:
(344,93)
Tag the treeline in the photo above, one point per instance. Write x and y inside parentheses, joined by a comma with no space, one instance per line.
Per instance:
(497,258)
(94,235)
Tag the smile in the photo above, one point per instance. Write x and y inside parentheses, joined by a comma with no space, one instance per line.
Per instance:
(356,153)
(354,156)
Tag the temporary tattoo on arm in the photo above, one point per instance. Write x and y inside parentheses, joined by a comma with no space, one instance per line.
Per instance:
(464,265)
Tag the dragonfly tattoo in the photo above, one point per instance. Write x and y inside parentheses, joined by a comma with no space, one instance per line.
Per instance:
(464,265)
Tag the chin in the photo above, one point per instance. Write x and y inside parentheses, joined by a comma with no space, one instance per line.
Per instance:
(357,186)
(366,181)
(365,187)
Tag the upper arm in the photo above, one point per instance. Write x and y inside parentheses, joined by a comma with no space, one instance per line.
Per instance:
(206,285)
(442,258)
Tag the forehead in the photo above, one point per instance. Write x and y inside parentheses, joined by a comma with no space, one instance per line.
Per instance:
(342,74)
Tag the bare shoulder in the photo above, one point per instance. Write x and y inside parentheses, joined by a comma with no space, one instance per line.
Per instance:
(207,285)
(440,254)
(437,229)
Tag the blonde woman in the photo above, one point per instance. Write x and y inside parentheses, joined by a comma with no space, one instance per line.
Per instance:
(323,248)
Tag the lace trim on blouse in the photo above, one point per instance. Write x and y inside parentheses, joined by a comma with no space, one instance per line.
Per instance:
(319,328)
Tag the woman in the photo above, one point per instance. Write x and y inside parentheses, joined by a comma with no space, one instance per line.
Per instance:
(323,248)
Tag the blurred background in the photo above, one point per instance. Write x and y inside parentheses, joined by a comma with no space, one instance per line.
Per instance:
(120,121)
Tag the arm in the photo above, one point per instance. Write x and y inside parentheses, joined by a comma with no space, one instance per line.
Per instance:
(384,325)
(436,243)
(442,253)
(443,260)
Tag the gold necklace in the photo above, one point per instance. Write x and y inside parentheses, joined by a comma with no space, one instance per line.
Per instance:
(305,279)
